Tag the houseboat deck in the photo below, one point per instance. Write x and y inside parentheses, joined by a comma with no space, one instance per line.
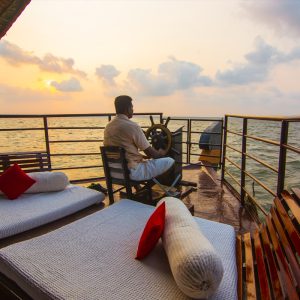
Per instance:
(211,201)
(214,201)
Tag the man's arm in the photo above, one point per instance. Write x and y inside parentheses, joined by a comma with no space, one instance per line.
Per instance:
(153,153)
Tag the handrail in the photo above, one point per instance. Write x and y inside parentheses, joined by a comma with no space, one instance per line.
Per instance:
(282,145)
(73,115)
(49,141)
(190,150)
(57,156)
(266,118)
(262,162)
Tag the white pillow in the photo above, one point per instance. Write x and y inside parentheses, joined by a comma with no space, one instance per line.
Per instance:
(48,182)
(195,265)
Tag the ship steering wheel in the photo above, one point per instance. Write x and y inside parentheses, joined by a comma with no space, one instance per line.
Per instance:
(160,136)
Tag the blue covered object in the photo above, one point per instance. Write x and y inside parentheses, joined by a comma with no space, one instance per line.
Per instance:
(210,139)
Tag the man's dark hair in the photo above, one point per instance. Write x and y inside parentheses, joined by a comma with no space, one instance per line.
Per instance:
(122,103)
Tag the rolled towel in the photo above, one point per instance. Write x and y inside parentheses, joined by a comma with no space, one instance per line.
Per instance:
(48,182)
(195,265)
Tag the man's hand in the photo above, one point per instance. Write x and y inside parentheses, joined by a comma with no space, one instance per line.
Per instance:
(162,152)
(153,153)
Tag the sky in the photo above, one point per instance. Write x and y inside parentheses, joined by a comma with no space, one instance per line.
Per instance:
(182,58)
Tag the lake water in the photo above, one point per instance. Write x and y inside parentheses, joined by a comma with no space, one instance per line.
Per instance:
(33,140)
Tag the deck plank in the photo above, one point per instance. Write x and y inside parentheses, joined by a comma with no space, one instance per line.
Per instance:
(214,201)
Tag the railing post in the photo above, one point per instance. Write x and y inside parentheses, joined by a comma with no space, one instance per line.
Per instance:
(188,144)
(47,141)
(243,163)
(161,118)
(224,130)
(282,156)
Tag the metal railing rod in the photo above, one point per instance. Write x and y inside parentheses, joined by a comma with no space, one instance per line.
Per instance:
(246,191)
(205,119)
(234,149)
(292,148)
(76,168)
(261,162)
(243,161)
(63,128)
(74,115)
(59,115)
(205,132)
(255,202)
(22,129)
(87,180)
(196,164)
(234,132)
(282,156)
(264,118)
(206,155)
(74,154)
(232,177)
(189,139)
(233,163)
(222,141)
(223,161)
(46,134)
(76,141)
(260,183)
(210,144)
(263,140)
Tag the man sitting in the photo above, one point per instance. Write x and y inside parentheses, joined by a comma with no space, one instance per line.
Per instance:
(123,132)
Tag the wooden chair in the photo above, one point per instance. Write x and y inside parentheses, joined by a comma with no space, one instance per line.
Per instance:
(268,260)
(28,161)
(116,172)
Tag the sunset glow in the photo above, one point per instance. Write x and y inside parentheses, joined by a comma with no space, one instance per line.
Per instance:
(183,58)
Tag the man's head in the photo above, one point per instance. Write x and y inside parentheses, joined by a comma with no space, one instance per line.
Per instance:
(123,105)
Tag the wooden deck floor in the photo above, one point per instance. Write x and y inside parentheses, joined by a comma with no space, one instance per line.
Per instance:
(214,201)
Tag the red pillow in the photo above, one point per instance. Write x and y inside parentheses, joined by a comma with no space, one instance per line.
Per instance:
(152,232)
(14,182)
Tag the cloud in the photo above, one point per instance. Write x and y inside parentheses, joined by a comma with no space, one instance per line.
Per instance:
(172,76)
(15,56)
(258,64)
(10,95)
(107,73)
(70,85)
(283,16)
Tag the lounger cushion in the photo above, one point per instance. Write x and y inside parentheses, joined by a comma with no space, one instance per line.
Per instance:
(48,182)
(14,182)
(34,210)
(93,258)
(152,232)
(195,265)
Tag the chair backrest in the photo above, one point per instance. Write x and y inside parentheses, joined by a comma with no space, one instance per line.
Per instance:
(115,169)
(268,260)
(115,164)
(28,161)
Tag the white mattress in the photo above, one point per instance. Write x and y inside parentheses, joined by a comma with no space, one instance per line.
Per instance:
(33,210)
(93,258)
